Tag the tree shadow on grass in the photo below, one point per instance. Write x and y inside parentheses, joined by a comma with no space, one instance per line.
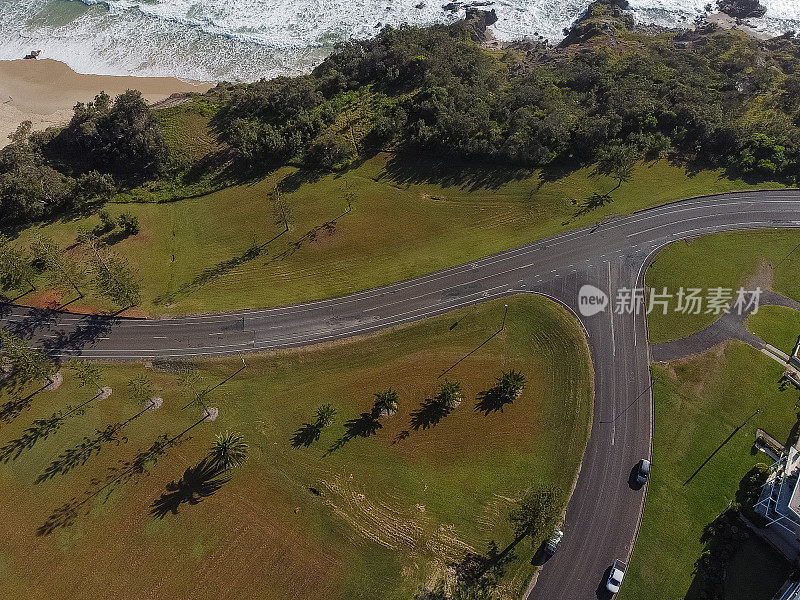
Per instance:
(405,169)
(428,414)
(39,430)
(589,205)
(252,253)
(126,470)
(364,426)
(306,435)
(80,454)
(196,484)
(13,408)
(492,400)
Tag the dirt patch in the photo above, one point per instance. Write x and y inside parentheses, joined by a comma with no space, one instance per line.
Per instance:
(393,526)
(697,371)
(764,277)
(50,298)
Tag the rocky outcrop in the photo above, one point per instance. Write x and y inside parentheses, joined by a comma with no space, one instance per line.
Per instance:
(601,17)
(478,20)
(742,9)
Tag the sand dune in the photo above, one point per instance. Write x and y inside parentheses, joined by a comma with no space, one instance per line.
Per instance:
(44,92)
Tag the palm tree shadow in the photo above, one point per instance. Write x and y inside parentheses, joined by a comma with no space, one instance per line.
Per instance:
(364,426)
(196,484)
(306,435)
(428,414)
(491,401)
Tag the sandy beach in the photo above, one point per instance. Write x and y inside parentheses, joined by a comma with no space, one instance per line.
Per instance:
(45,91)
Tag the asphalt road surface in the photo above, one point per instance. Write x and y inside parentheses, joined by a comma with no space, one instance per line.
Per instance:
(605,510)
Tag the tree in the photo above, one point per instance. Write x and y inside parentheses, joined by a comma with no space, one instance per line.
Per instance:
(329,151)
(15,268)
(22,133)
(325,416)
(114,279)
(507,388)
(107,222)
(141,388)
(449,395)
(87,373)
(511,384)
(27,362)
(228,451)
(617,161)
(536,514)
(47,256)
(123,138)
(281,209)
(128,223)
(761,156)
(386,403)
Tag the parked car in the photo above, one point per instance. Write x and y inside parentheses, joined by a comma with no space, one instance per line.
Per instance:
(616,575)
(644,471)
(552,543)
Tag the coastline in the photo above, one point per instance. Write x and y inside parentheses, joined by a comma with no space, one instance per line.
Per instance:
(44,91)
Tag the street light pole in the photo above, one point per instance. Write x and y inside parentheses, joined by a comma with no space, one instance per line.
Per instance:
(505,314)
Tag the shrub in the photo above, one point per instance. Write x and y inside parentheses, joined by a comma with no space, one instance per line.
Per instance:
(128,223)
(329,151)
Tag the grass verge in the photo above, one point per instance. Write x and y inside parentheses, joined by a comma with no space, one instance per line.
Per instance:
(387,512)
(776,325)
(699,401)
(727,260)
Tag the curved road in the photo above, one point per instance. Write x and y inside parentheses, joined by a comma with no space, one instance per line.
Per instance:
(604,513)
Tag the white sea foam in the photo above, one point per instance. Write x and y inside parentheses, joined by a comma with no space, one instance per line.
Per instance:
(249,39)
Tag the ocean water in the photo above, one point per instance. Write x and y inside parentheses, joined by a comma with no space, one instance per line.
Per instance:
(244,40)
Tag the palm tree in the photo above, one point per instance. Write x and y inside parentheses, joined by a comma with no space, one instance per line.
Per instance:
(325,416)
(450,395)
(510,384)
(386,403)
(228,451)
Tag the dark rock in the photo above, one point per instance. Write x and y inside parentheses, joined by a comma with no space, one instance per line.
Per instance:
(742,9)
(420,6)
(33,55)
(451,7)
(478,20)
(481,18)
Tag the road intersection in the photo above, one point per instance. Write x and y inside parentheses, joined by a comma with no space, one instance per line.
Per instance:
(605,511)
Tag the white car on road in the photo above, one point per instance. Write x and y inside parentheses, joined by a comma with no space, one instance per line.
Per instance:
(615,576)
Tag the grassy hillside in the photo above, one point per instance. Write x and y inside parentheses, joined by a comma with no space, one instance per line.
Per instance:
(387,512)
(201,250)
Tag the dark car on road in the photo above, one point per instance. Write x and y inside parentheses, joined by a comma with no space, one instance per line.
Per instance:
(643,472)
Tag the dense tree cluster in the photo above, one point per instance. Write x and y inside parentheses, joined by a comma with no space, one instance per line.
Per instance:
(718,98)
(106,142)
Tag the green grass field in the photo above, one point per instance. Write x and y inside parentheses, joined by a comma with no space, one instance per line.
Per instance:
(387,512)
(726,260)
(699,401)
(202,250)
(776,325)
